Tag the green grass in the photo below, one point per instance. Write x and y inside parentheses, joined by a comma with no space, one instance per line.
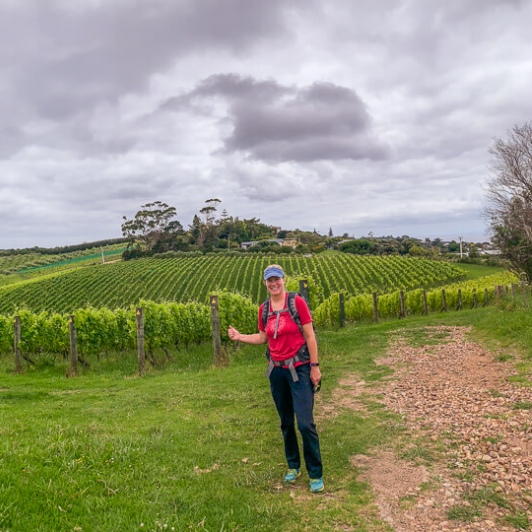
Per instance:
(519,520)
(190,446)
(463,512)
(421,337)
(476,271)
(187,447)
(522,405)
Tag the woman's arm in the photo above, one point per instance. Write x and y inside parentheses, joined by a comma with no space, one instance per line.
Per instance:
(256,339)
(310,338)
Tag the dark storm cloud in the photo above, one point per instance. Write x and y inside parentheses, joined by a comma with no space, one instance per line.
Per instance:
(62,59)
(277,123)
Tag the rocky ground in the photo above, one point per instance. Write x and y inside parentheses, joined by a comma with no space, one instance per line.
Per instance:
(457,403)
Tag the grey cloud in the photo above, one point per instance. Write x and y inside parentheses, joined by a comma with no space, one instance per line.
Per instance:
(236,88)
(70,58)
(277,123)
(231,87)
(11,137)
(299,134)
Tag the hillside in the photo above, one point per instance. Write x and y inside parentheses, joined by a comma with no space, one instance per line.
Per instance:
(18,267)
(193,278)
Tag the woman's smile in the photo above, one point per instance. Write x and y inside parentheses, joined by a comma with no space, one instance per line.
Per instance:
(274,284)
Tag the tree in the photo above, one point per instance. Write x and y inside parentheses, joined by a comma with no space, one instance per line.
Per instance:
(472,251)
(417,251)
(152,229)
(360,246)
(453,247)
(205,233)
(195,231)
(509,196)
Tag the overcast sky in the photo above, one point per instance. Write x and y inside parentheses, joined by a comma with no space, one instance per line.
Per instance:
(360,116)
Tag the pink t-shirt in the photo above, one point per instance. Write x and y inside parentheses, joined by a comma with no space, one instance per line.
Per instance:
(289,338)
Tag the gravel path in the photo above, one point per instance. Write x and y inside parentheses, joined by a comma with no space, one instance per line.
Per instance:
(456,397)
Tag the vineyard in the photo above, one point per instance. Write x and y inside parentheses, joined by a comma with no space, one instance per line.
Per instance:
(24,266)
(466,294)
(193,279)
(167,326)
(173,292)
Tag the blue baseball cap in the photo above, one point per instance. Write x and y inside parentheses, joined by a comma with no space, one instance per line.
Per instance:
(273,272)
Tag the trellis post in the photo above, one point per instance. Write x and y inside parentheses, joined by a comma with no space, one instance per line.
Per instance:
(73,346)
(402,310)
(141,355)
(303,290)
(18,357)
(342,311)
(219,359)
(425,306)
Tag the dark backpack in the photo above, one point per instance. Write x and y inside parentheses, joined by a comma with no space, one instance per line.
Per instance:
(303,354)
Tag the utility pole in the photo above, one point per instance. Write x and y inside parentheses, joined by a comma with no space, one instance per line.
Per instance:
(460,238)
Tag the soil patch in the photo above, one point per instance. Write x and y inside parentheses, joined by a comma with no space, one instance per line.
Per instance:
(456,401)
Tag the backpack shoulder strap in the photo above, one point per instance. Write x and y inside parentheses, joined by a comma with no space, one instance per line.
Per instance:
(292,308)
(265,312)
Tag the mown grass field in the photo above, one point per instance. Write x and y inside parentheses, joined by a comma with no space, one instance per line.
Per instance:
(194,447)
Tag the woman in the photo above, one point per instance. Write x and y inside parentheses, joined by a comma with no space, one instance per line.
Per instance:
(293,371)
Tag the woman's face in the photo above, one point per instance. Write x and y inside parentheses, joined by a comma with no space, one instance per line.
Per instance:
(275,285)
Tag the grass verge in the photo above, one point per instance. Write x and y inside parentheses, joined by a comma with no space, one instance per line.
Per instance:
(190,446)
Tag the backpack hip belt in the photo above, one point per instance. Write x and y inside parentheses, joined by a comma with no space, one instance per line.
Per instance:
(289,362)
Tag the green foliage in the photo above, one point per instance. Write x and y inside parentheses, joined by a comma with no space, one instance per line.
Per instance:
(238,311)
(360,308)
(166,326)
(193,277)
(90,294)
(190,446)
(153,229)
(293,284)
(361,246)
(35,331)
(101,330)
(6,334)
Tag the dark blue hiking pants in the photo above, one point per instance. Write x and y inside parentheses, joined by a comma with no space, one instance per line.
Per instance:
(296,399)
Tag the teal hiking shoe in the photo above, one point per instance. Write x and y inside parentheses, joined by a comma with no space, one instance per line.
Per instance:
(316,485)
(292,475)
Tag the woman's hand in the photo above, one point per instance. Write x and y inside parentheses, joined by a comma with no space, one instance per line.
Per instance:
(315,375)
(233,333)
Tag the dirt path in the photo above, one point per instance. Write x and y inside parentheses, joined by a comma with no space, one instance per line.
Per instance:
(457,403)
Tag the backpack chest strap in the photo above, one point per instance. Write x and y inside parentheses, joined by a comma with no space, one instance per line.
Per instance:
(277,314)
